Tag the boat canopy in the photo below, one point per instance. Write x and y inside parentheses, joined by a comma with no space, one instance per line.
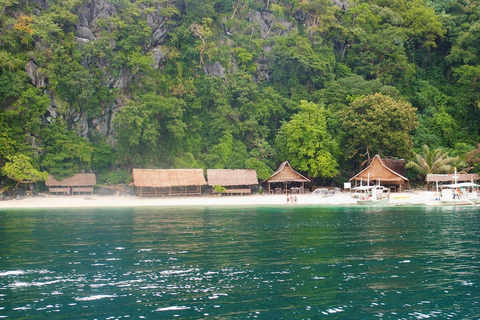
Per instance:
(461,185)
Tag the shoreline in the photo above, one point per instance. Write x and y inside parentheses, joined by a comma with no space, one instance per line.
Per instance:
(46,201)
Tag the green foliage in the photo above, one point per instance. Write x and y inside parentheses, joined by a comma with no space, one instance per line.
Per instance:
(150,78)
(431,162)
(219,189)
(228,153)
(378,124)
(114,178)
(21,169)
(305,142)
(263,171)
(66,153)
(295,60)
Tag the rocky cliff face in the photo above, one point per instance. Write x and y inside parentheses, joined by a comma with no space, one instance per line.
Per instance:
(90,13)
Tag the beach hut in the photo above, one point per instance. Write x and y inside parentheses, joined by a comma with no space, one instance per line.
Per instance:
(286,180)
(171,182)
(453,178)
(379,173)
(81,183)
(236,181)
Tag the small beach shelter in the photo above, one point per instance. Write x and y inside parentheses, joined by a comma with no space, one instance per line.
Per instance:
(452,178)
(286,174)
(79,183)
(155,182)
(377,172)
(232,177)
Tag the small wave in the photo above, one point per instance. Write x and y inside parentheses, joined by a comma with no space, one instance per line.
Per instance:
(12,273)
(167,272)
(173,308)
(96,297)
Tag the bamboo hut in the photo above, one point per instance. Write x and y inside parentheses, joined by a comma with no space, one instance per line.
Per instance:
(171,182)
(286,180)
(81,183)
(379,173)
(236,181)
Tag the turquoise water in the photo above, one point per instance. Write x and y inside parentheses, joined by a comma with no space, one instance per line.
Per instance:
(240,263)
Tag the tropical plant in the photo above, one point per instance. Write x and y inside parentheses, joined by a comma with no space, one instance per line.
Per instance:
(21,169)
(305,141)
(431,162)
(378,124)
(219,189)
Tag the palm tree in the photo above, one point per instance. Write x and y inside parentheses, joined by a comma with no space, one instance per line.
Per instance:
(432,161)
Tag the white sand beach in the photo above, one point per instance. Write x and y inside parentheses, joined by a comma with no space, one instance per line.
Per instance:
(49,201)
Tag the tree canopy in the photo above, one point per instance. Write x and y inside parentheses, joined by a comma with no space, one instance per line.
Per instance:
(236,84)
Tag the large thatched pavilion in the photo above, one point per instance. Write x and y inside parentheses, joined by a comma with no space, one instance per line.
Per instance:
(286,180)
(81,183)
(378,172)
(171,182)
(237,181)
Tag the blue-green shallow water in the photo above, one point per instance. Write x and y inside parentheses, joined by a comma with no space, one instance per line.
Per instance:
(240,263)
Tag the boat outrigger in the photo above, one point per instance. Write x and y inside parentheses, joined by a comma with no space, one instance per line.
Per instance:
(371,195)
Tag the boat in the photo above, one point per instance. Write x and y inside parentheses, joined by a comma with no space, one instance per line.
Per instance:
(376,195)
(458,193)
(465,193)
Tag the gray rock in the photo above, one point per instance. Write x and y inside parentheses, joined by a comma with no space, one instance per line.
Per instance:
(215,69)
(37,78)
(85,33)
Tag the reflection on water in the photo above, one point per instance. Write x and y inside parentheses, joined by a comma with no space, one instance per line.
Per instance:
(241,263)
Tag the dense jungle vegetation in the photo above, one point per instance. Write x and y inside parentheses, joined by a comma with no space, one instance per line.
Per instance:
(107,86)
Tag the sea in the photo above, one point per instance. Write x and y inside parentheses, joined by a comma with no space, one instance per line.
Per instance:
(278,262)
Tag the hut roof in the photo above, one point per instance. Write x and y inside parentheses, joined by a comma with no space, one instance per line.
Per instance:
(80,179)
(451,177)
(397,165)
(232,177)
(378,170)
(286,173)
(162,178)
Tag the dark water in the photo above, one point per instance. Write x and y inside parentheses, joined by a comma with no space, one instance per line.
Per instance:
(240,263)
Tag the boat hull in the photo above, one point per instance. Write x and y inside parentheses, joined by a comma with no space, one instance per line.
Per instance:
(456,202)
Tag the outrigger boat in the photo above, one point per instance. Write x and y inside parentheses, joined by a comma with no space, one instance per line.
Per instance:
(371,195)
(463,193)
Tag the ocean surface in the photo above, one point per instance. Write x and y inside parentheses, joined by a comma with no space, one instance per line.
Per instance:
(284,262)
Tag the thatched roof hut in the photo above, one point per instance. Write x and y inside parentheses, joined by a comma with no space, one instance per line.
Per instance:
(285,174)
(232,177)
(450,178)
(79,183)
(378,171)
(161,181)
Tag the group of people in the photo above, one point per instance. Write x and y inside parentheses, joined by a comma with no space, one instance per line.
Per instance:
(291,199)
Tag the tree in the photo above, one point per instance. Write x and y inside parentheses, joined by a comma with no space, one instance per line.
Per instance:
(305,142)
(431,162)
(378,124)
(203,32)
(228,153)
(65,152)
(21,169)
